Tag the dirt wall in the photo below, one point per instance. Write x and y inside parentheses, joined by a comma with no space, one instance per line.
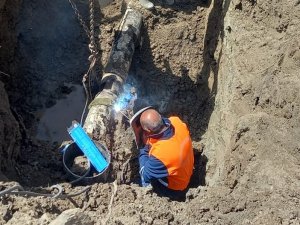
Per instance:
(257,60)
(251,139)
(9,128)
(9,12)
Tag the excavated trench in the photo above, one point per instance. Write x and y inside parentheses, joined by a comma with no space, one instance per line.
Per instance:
(51,58)
(229,69)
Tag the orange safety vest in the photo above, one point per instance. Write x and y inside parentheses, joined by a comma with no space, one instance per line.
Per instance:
(176,153)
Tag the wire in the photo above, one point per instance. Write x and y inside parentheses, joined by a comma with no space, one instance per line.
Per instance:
(22,192)
(1,72)
(124,115)
(86,89)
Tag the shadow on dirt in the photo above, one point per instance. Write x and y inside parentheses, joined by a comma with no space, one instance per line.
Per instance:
(215,29)
(52,50)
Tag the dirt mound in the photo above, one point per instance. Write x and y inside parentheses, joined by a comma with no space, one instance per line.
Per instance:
(230,70)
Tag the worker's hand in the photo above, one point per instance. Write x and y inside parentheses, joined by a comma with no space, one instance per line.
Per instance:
(144,137)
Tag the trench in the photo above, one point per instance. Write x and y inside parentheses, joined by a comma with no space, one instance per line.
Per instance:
(51,59)
(233,80)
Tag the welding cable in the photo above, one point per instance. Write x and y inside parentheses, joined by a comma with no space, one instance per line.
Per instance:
(11,189)
(77,193)
(35,194)
(84,175)
(71,173)
(22,192)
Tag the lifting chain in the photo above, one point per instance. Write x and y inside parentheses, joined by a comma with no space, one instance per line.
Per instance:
(90,32)
(92,47)
(79,17)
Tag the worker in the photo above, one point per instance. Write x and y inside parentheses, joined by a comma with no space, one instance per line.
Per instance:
(149,5)
(167,159)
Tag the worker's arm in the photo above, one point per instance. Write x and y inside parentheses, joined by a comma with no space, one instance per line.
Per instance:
(150,167)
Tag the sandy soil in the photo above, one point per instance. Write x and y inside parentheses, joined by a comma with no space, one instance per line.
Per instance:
(230,70)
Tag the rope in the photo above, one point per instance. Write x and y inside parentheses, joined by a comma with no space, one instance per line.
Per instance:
(1,72)
(111,202)
(115,184)
(87,93)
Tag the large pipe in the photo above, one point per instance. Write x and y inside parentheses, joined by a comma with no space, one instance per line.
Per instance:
(115,73)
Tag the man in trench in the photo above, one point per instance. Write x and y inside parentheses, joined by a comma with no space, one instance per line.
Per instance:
(166,157)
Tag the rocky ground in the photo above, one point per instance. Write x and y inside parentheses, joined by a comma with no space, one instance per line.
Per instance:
(229,68)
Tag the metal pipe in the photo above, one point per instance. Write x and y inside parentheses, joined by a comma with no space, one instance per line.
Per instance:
(115,73)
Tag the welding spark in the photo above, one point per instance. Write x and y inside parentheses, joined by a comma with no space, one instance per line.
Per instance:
(126,100)
(117,107)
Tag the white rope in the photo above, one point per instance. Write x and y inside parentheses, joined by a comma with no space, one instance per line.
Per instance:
(87,93)
(103,222)
(1,72)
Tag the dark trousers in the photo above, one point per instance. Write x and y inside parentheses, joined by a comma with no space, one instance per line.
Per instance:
(163,191)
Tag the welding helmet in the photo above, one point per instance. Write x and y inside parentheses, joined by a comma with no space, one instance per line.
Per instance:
(136,126)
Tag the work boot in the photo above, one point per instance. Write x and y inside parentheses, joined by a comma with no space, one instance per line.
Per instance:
(170,2)
(146,4)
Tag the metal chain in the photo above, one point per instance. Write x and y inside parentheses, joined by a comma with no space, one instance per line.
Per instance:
(92,46)
(79,17)
(89,31)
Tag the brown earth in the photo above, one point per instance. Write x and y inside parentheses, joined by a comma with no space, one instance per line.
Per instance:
(228,68)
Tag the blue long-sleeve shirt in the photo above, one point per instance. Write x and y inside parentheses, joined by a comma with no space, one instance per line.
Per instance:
(151,167)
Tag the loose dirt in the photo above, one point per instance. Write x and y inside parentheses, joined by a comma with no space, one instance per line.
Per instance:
(229,69)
